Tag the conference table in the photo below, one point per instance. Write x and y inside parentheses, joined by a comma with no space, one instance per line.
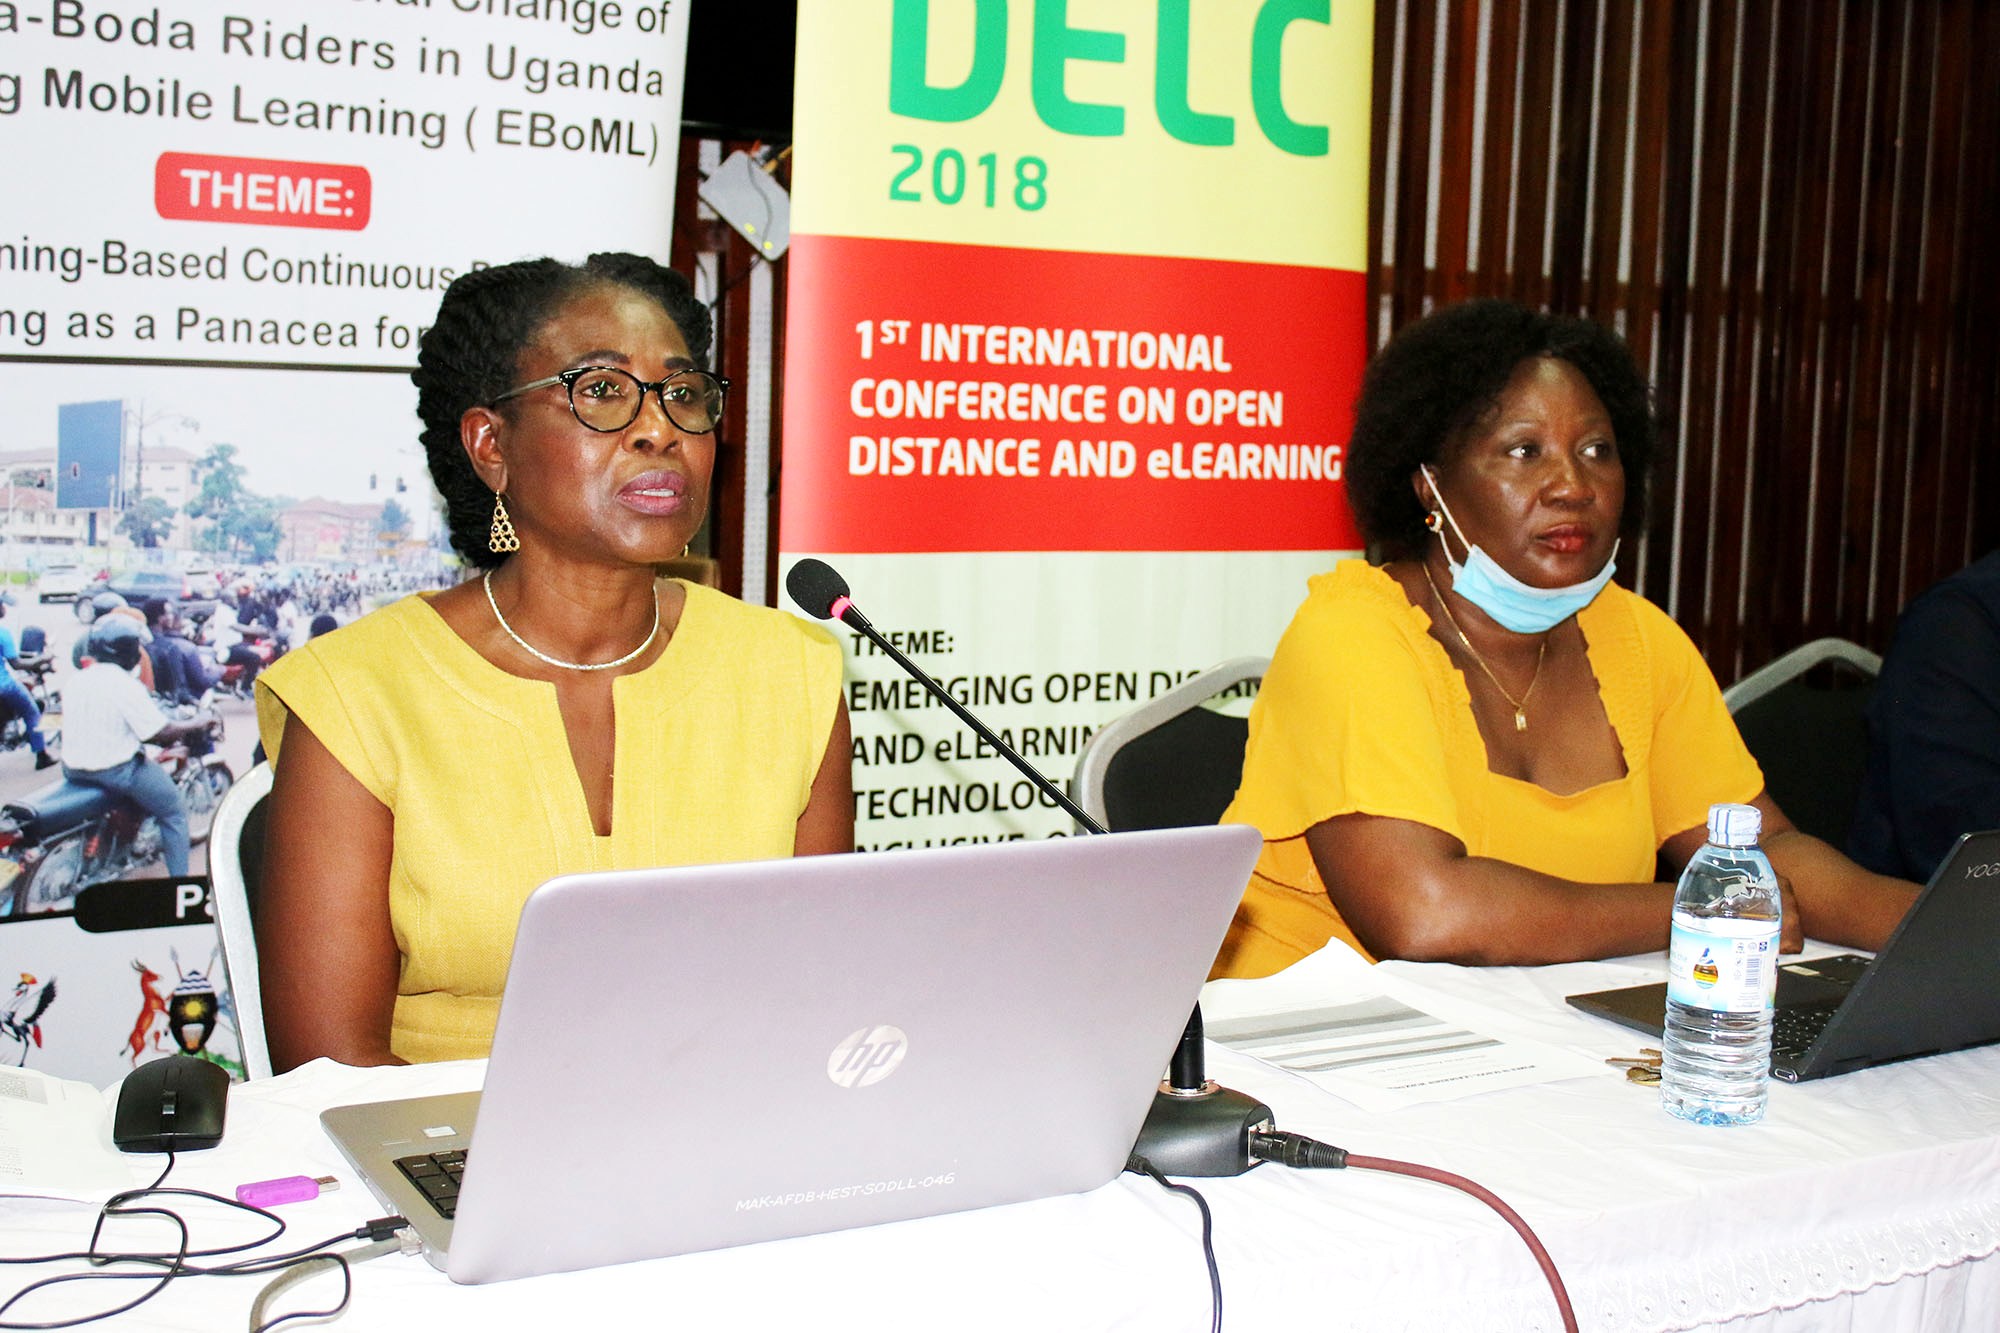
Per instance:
(1868,1201)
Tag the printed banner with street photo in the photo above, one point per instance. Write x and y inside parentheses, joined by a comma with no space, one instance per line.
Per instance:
(234,223)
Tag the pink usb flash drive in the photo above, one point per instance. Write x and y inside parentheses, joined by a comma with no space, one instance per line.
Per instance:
(285,1189)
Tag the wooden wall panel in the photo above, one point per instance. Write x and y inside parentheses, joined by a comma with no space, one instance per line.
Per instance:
(1783,206)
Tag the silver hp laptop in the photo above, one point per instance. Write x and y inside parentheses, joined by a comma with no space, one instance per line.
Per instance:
(1934,987)
(695,1058)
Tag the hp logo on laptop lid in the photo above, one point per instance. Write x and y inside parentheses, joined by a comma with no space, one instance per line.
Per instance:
(867,1055)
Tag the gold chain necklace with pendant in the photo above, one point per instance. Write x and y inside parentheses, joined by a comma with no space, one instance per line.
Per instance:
(1520,705)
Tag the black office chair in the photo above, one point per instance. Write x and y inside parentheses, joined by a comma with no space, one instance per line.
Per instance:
(235,863)
(1804,718)
(1173,762)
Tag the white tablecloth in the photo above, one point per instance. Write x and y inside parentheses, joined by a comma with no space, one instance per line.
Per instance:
(1870,1201)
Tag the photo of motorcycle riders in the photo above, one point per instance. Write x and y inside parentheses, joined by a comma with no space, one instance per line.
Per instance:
(240,516)
(122,723)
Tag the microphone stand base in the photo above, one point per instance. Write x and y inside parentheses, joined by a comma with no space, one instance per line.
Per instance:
(1204,1133)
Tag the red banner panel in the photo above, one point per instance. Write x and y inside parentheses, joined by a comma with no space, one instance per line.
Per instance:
(970,398)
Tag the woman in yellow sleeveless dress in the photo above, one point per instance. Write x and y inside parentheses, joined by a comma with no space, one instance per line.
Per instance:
(438,759)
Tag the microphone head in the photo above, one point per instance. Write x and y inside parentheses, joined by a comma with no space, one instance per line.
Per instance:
(815,586)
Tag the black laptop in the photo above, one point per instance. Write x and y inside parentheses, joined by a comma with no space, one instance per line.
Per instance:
(1934,987)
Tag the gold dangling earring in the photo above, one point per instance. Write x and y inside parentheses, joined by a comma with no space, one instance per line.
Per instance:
(501,538)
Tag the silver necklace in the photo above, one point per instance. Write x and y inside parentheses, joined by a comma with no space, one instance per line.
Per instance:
(537,653)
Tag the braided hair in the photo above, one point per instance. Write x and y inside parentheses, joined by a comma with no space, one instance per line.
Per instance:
(469,357)
(1437,378)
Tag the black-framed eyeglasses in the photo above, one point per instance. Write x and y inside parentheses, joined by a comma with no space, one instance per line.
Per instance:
(605,398)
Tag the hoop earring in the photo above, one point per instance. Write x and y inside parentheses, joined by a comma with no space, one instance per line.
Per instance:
(501,538)
(1434,521)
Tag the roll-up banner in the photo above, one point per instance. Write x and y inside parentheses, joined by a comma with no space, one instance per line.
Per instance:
(1075,328)
(224,227)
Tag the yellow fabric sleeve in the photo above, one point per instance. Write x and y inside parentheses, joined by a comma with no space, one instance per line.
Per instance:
(1342,723)
(307,678)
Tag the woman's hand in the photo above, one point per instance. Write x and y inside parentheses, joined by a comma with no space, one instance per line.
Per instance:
(1835,900)
(1792,934)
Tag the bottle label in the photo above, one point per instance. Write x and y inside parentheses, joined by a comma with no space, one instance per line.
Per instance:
(1725,964)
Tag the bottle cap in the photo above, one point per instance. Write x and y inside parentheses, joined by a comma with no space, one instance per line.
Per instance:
(1734,825)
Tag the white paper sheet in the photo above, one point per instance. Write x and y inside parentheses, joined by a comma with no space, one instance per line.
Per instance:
(52,1140)
(1375,1040)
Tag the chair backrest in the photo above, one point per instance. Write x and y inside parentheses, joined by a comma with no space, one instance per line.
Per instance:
(1804,718)
(235,861)
(1171,762)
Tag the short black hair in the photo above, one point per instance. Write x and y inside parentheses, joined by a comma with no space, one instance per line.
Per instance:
(469,357)
(1440,375)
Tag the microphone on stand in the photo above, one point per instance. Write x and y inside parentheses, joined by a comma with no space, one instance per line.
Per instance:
(822,593)
(1196,1126)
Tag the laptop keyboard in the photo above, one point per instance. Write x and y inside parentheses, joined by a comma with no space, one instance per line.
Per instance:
(1795,1028)
(437,1175)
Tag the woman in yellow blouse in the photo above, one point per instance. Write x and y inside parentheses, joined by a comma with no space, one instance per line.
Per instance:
(437,760)
(1479,751)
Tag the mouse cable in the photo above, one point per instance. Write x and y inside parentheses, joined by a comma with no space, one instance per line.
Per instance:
(1140,1166)
(380,1229)
(377,1231)
(84,1254)
(172,1265)
(110,1207)
(123,1205)
(1296,1150)
(159,1280)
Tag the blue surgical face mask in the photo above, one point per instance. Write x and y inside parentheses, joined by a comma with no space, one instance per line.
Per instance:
(1508,601)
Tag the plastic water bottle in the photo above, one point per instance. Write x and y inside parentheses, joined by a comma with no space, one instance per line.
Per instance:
(1722,972)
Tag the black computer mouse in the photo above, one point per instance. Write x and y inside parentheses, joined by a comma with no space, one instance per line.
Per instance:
(171,1105)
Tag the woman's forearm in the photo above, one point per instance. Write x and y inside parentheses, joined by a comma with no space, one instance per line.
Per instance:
(1485,912)
(1409,891)
(1840,902)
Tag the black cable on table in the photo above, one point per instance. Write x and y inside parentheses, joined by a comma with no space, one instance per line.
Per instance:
(1140,1166)
(381,1232)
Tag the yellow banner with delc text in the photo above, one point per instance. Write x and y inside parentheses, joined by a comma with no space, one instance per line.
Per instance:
(1200,129)
(1075,323)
